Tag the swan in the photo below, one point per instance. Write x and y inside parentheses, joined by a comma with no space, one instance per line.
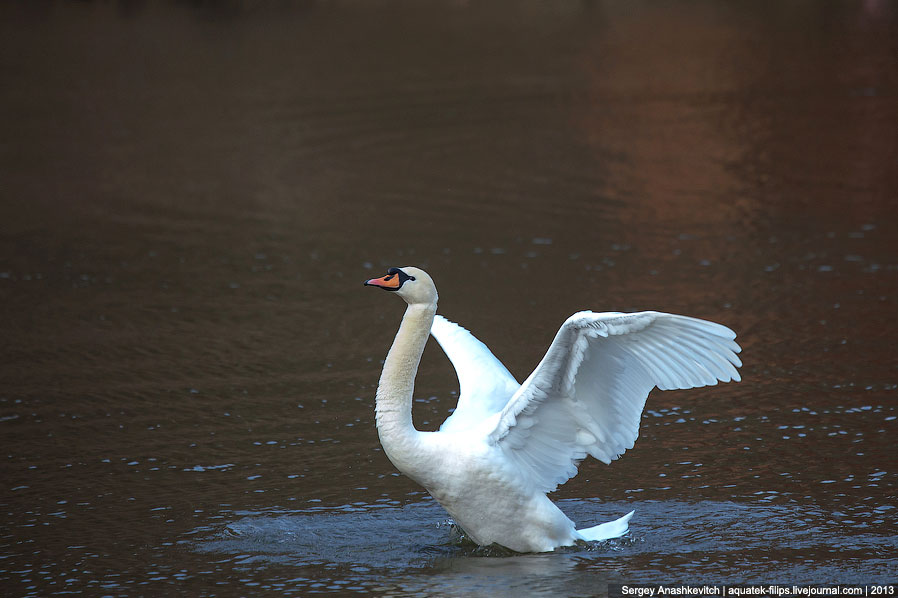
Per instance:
(507,445)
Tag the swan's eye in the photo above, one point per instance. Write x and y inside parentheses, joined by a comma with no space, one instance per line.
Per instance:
(411,278)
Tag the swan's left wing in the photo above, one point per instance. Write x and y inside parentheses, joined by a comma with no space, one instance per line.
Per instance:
(587,394)
(485,385)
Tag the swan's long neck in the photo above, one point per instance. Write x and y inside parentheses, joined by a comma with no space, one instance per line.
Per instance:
(397,433)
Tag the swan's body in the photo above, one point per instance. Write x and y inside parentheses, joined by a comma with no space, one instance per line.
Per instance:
(507,444)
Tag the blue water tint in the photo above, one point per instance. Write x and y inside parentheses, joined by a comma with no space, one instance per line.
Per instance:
(413,548)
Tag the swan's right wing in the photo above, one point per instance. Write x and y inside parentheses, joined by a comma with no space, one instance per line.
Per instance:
(587,394)
(485,385)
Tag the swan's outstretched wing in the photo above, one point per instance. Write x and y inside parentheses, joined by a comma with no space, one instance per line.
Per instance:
(586,395)
(485,385)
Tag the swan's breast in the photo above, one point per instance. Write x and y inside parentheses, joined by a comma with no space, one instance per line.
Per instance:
(489,498)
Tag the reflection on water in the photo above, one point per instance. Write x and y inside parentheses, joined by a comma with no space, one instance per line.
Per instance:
(192,193)
(717,542)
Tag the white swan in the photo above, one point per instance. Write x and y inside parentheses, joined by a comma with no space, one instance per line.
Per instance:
(507,444)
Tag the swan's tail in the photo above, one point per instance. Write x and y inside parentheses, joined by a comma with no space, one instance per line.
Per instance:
(606,531)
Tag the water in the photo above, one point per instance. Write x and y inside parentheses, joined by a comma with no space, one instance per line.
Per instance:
(193,193)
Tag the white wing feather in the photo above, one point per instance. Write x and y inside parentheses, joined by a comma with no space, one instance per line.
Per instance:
(587,394)
(485,385)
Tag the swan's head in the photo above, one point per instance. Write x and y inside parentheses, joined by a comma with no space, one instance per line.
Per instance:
(412,284)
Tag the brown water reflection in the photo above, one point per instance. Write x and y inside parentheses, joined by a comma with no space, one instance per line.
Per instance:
(192,193)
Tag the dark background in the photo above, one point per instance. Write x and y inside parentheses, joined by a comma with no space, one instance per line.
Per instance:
(192,193)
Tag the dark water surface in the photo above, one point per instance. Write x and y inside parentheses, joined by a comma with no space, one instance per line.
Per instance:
(192,193)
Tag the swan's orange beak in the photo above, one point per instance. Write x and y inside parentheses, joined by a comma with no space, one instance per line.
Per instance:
(390,282)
